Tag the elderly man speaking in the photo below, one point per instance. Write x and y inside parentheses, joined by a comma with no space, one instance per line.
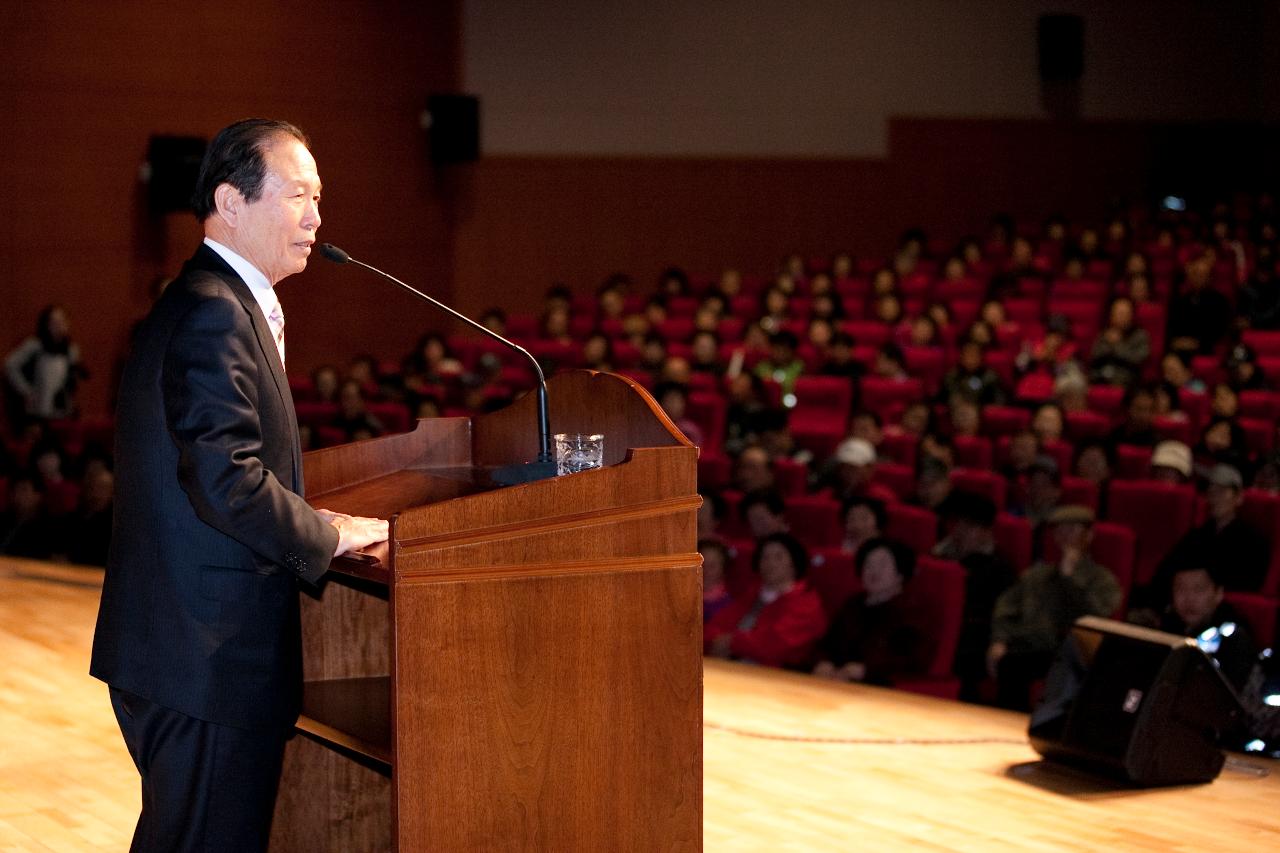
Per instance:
(198,631)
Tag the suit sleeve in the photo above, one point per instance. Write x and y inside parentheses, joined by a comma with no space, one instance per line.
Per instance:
(211,385)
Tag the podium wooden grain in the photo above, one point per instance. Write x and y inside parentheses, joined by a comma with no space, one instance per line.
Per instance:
(518,667)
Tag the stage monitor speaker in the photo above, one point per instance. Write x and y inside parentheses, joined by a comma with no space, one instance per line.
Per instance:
(1060,42)
(1143,706)
(454,128)
(173,164)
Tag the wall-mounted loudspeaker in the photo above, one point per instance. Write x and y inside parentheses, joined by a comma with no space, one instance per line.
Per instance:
(1060,42)
(173,164)
(453,125)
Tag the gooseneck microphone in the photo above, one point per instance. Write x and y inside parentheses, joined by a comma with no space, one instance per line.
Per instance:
(544,465)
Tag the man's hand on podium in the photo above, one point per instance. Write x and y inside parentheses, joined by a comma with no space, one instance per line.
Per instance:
(354,532)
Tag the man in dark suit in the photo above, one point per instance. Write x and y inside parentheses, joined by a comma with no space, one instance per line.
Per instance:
(198,631)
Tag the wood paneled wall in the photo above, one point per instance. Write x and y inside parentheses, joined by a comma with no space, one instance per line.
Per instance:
(86,84)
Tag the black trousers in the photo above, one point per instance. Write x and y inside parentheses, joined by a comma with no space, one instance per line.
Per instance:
(205,787)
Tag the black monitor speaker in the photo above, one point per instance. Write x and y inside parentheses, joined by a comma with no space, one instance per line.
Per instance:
(1138,705)
(454,128)
(173,164)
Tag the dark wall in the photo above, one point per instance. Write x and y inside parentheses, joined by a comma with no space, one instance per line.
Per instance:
(532,220)
(86,84)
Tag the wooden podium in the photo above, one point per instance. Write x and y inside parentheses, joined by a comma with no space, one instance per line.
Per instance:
(517,668)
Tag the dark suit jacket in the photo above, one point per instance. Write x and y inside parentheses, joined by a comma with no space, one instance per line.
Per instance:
(199,608)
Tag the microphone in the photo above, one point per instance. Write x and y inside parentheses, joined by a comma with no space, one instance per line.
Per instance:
(541,468)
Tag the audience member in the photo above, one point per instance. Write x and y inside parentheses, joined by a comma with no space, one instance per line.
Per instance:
(715,565)
(1171,462)
(674,400)
(86,532)
(850,473)
(1121,349)
(1197,609)
(764,513)
(1032,617)
(1235,551)
(753,470)
(971,379)
(779,619)
(353,418)
(864,519)
(1138,426)
(782,366)
(970,541)
(43,371)
(878,635)
(710,514)
(26,528)
(1199,316)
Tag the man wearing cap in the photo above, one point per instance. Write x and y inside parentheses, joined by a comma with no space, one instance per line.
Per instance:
(1171,462)
(850,470)
(1236,552)
(1033,616)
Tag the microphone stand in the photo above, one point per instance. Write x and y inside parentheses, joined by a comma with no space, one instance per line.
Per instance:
(507,475)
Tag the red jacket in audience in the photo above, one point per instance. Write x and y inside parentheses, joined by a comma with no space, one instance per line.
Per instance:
(785,630)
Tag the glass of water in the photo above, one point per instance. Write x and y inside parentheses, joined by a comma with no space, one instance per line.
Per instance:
(578,451)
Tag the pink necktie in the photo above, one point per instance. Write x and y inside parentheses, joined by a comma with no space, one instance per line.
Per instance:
(276,318)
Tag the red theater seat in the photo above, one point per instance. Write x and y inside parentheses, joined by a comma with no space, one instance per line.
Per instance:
(1081,426)
(1078,490)
(820,417)
(1133,462)
(899,479)
(879,394)
(1157,513)
(973,451)
(1004,420)
(916,526)
(814,520)
(938,590)
(833,577)
(1014,540)
(1262,510)
(899,447)
(1260,612)
(983,482)
(708,410)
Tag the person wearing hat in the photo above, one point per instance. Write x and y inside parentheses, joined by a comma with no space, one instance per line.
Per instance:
(849,472)
(970,541)
(1171,462)
(1234,550)
(1032,617)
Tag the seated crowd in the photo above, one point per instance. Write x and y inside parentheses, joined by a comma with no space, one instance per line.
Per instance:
(915,473)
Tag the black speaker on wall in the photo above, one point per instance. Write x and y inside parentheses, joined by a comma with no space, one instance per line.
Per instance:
(1060,43)
(173,164)
(1138,705)
(453,124)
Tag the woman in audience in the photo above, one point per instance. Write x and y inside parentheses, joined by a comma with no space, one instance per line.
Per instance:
(353,418)
(1048,423)
(864,519)
(44,370)
(704,354)
(715,565)
(779,619)
(971,379)
(1223,442)
(1121,349)
(775,309)
(877,636)
(430,364)
(597,353)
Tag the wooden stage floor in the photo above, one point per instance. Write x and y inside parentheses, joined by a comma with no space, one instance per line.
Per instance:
(790,763)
